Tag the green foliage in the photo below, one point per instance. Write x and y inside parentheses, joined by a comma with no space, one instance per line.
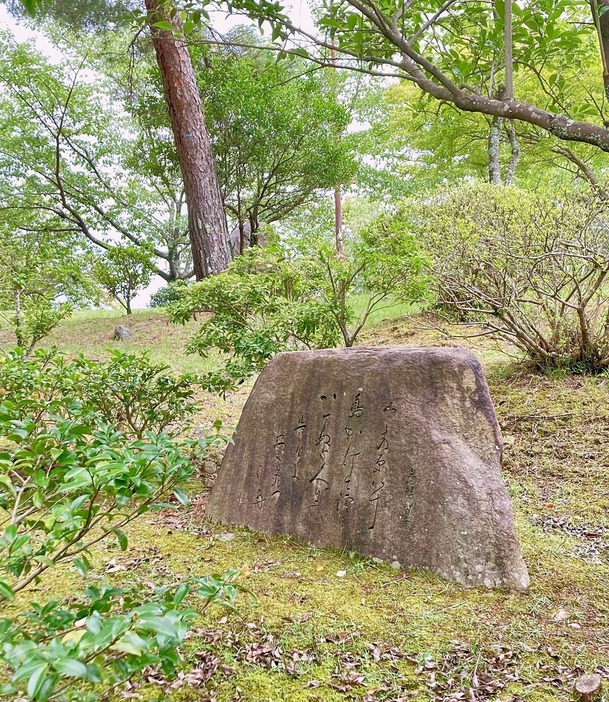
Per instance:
(264,303)
(42,273)
(70,476)
(70,149)
(272,300)
(68,469)
(128,391)
(124,271)
(533,268)
(170,293)
(421,146)
(276,131)
(82,649)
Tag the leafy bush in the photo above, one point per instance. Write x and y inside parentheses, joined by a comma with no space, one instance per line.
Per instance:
(169,294)
(128,390)
(82,649)
(531,268)
(273,299)
(70,477)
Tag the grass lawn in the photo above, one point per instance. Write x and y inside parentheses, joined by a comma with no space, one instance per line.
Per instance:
(311,633)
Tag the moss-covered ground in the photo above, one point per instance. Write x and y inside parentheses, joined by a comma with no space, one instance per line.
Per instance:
(329,625)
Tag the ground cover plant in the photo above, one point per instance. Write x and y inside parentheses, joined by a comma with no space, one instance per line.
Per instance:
(331,626)
(77,470)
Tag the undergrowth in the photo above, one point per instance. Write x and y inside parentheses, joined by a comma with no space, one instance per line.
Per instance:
(329,625)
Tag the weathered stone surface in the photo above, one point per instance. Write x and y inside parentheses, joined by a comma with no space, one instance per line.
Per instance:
(122,333)
(395,453)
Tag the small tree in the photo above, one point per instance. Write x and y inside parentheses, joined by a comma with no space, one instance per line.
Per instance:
(123,272)
(277,131)
(42,274)
(275,299)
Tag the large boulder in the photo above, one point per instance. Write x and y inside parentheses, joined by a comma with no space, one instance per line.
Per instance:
(394,453)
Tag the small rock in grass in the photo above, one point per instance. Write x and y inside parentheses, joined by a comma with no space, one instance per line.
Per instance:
(561,615)
(226,537)
(341,573)
(395,565)
(122,333)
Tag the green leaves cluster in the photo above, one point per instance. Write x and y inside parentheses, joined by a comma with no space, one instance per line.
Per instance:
(128,391)
(66,472)
(277,129)
(83,454)
(87,647)
(275,299)
(264,303)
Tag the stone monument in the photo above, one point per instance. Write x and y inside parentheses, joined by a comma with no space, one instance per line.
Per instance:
(394,453)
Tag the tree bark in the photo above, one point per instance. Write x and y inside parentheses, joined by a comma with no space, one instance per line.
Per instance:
(206,219)
(338,196)
(508,51)
(584,170)
(494,139)
(515,155)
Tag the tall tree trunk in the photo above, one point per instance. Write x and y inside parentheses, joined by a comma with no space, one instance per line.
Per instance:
(19,335)
(508,51)
(338,196)
(515,155)
(206,219)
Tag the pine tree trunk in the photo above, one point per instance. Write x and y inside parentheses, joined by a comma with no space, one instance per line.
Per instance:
(206,219)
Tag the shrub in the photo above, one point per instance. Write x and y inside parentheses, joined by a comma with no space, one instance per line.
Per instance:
(169,294)
(273,299)
(70,477)
(128,390)
(123,271)
(532,269)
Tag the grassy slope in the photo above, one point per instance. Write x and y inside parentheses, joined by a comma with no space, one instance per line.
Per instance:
(312,635)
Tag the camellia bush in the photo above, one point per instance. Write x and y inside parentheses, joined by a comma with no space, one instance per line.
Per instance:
(279,299)
(128,390)
(531,268)
(73,474)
